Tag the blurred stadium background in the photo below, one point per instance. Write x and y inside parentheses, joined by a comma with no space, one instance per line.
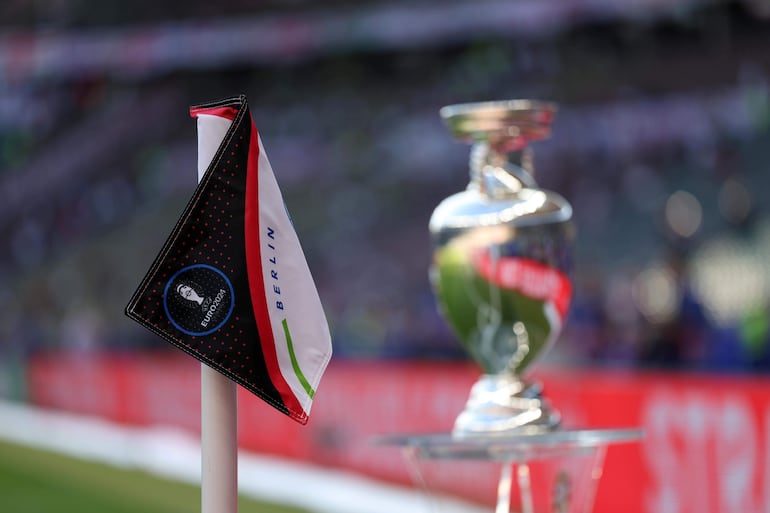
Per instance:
(661,143)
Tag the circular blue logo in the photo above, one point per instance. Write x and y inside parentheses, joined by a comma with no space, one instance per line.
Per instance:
(198,299)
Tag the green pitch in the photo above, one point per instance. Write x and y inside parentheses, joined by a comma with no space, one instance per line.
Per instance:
(34,481)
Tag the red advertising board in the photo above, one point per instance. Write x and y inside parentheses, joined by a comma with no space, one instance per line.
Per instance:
(705,448)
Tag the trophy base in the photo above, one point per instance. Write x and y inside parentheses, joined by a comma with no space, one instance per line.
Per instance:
(502,404)
(548,472)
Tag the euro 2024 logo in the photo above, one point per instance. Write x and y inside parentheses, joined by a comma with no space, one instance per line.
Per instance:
(198,299)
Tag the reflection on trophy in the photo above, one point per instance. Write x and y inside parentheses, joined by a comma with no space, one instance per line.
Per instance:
(501,263)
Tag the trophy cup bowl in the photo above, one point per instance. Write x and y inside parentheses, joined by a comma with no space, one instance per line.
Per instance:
(501,264)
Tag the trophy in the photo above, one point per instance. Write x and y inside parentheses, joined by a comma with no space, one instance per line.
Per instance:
(501,276)
(501,264)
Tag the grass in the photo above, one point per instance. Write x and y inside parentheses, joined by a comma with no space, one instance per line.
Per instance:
(36,481)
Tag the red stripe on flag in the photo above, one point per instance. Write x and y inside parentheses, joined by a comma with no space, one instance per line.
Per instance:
(222,112)
(257,284)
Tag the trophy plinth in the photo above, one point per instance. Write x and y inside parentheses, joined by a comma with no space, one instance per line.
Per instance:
(501,263)
(547,472)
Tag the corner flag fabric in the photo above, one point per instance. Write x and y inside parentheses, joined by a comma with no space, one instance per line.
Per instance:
(231,285)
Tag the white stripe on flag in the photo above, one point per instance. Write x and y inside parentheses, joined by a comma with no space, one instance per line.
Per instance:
(300,330)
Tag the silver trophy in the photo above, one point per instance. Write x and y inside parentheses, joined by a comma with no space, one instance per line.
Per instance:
(501,275)
(501,264)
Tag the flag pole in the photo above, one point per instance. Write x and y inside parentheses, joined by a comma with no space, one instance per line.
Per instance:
(219,409)
(219,443)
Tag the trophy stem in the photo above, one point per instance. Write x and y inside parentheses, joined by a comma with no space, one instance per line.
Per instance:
(495,174)
(503,404)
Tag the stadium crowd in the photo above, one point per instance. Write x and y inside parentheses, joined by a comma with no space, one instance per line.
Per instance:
(672,261)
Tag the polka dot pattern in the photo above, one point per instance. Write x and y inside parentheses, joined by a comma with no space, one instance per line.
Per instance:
(210,233)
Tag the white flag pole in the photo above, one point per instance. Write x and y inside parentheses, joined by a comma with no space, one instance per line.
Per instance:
(219,443)
(219,406)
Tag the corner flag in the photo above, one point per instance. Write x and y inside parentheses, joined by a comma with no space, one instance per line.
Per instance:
(231,286)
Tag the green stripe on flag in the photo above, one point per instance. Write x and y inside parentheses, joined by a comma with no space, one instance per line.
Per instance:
(294,363)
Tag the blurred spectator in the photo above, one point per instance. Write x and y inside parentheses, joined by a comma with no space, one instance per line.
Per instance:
(96,162)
